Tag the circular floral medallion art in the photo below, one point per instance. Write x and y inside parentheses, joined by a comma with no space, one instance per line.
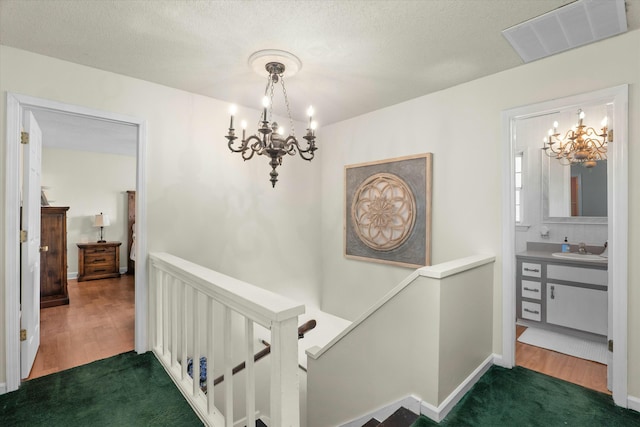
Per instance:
(383,211)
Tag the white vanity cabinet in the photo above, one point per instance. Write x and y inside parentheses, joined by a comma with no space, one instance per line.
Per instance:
(559,295)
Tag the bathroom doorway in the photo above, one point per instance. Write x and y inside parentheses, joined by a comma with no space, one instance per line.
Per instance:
(549,232)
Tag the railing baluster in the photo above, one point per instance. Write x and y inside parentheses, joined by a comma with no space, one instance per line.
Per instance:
(166,283)
(159,314)
(228,368)
(185,332)
(195,365)
(251,377)
(174,321)
(211,409)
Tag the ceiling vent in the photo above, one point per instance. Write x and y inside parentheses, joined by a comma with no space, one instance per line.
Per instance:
(576,24)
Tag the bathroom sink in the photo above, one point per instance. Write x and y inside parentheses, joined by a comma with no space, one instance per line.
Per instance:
(579,256)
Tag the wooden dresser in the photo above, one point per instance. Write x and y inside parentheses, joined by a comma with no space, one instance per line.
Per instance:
(53,261)
(98,260)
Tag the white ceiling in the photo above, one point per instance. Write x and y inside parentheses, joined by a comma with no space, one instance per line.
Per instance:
(357,56)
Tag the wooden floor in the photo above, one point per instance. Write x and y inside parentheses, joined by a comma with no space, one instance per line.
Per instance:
(97,323)
(583,372)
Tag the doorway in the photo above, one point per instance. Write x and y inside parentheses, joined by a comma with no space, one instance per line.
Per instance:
(17,105)
(617,225)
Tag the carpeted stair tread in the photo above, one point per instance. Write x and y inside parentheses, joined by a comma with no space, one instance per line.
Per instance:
(371,423)
(520,397)
(401,418)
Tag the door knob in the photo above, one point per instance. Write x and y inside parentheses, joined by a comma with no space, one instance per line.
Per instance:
(44,248)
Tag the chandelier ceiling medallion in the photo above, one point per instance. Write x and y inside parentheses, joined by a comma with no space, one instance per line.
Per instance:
(270,140)
(580,145)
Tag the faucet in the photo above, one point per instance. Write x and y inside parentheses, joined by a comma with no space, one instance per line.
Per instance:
(582,248)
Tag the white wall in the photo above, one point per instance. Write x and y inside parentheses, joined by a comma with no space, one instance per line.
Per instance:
(90,183)
(461,126)
(204,203)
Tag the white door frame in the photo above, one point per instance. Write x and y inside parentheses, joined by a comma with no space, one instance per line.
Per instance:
(16,105)
(618,224)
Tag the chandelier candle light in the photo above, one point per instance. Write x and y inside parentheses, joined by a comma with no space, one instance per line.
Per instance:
(270,140)
(580,145)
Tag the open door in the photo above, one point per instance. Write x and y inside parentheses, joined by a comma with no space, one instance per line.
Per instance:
(30,263)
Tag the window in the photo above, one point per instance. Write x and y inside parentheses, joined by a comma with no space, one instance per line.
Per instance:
(518,185)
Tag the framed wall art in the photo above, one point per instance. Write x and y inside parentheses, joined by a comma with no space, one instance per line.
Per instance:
(388,211)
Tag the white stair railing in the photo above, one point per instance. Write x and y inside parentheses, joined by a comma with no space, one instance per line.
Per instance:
(186,303)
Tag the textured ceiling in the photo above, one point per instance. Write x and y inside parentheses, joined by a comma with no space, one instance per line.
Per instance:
(357,56)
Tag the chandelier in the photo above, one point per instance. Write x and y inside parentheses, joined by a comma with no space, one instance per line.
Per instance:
(580,145)
(270,140)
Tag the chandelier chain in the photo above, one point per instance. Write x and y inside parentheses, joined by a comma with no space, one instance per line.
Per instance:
(286,101)
(271,103)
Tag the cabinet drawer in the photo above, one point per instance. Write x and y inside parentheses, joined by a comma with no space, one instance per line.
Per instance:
(100,259)
(96,250)
(531,269)
(531,311)
(592,276)
(90,270)
(530,289)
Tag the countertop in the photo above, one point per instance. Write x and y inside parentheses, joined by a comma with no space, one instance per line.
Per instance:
(544,251)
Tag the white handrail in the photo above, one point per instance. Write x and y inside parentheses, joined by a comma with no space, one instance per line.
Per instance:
(183,299)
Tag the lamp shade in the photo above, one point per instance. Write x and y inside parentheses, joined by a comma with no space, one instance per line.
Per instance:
(101,220)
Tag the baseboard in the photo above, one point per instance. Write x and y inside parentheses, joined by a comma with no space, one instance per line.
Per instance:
(123,270)
(411,403)
(633,403)
(72,276)
(3,388)
(499,360)
(438,414)
(418,407)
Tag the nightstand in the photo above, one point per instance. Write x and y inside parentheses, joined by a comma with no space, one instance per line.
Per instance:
(98,260)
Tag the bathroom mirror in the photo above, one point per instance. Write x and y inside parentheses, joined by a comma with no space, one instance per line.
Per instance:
(574,193)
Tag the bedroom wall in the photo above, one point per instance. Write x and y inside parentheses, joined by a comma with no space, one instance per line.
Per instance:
(462,127)
(204,203)
(89,183)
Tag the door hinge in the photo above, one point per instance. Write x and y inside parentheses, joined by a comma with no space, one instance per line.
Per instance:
(611,345)
(23,236)
(23,334)
(24,137)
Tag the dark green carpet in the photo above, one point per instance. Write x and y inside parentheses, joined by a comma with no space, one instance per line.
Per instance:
(124,390)
(520,397)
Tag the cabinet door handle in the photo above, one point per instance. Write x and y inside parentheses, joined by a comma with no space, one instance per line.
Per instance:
(531,311)
(100,270)
(99,260)
(553,294)
(534,270)
(530,289)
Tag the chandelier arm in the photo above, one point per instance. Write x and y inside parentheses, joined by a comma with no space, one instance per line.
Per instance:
(307,157)
(241,148)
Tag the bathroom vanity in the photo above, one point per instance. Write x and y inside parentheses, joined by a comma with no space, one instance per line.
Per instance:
(568,295)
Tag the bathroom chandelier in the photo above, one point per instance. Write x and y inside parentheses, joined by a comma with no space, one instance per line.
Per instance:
(270,140)
(580,145)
